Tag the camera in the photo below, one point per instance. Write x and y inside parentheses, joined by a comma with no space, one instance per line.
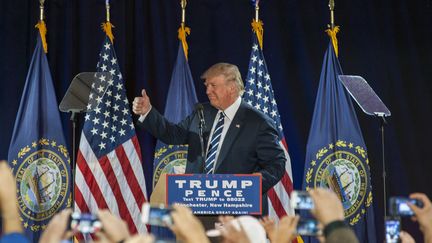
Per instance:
(399,206)
(308,227)
(301,200)
(392,229)
(156,215)
(84,223)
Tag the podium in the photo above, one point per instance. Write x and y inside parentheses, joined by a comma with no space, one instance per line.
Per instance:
(158,196)
(211,195)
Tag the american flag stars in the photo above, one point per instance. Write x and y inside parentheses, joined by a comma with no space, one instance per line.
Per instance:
(259,92)
(108,108)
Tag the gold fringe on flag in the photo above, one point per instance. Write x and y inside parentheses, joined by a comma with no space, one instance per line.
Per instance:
(299,239)
(107,28)
(257,27)
(42,31)
(182,33)
(332,33)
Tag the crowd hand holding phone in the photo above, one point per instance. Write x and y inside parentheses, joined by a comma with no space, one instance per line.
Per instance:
(58,228)
(114,229)
(398,206)
(423,215)
(301,200)
(329,208)
(329,212)
(392,227)
(186,226)
(157,215)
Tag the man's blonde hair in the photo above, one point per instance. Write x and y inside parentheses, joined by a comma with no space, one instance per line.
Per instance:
(230,72)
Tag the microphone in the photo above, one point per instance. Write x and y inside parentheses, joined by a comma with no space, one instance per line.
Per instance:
(200,110)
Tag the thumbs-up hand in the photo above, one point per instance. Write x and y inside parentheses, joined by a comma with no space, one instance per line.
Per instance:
(141,105)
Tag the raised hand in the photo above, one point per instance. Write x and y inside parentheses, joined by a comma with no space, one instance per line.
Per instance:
(141,105)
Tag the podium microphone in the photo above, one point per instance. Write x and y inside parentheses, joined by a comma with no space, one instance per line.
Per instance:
(199,108)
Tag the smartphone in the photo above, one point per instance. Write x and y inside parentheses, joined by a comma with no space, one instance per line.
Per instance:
(156,215)
(308,227)
(301,200)
(84,223)
(398,206)
(392,229)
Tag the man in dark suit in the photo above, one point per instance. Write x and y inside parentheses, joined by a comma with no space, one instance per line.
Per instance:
(238,139)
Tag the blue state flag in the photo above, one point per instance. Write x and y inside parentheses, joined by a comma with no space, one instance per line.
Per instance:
(37,152)
(336,156)
(171,159)
(180,103)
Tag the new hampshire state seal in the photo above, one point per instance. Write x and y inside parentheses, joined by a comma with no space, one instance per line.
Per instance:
(343,168)
(171,160)
(42,178)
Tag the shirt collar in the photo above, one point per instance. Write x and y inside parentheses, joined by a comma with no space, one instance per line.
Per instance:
(232,109)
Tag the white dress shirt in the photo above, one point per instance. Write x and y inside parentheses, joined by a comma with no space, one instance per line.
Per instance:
(229,116)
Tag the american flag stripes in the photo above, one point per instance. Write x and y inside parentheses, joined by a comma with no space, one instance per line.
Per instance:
(259,94)
(109,171)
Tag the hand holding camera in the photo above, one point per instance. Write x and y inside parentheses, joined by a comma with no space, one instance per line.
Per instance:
(156,215)
(58,228)
(423,215)
(399,206)
(328,209)
(106,226)
(114,228)
(301,200)
(392,229)
(178,218)
(84,223)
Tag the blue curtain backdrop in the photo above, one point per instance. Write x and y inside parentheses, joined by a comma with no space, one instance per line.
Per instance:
(389,42)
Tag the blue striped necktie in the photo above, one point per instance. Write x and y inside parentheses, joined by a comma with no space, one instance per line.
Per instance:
(214,144)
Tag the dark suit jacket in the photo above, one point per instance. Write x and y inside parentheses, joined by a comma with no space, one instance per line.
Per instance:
(250,144)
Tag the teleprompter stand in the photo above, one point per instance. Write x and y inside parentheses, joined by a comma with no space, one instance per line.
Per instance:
(76,100)
(372,105)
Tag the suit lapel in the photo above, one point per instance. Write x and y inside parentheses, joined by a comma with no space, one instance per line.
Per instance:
(232,133)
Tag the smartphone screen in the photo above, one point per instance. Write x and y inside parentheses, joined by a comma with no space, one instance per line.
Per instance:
(156,215)
(399,206)
(85,223)
(392,230)
(308,227)
(301,200)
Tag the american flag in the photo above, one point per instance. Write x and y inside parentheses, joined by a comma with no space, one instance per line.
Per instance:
(109,171)
(259,94)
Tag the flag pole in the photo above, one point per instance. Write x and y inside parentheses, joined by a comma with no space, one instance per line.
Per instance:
(331,7)
(257,11)
(107,26)
(41,26)
(257,25)
(107,7)
(41,7)
(183,4)
(183,31)
(332,28)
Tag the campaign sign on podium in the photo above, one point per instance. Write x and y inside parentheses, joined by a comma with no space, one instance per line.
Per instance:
(216,194)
